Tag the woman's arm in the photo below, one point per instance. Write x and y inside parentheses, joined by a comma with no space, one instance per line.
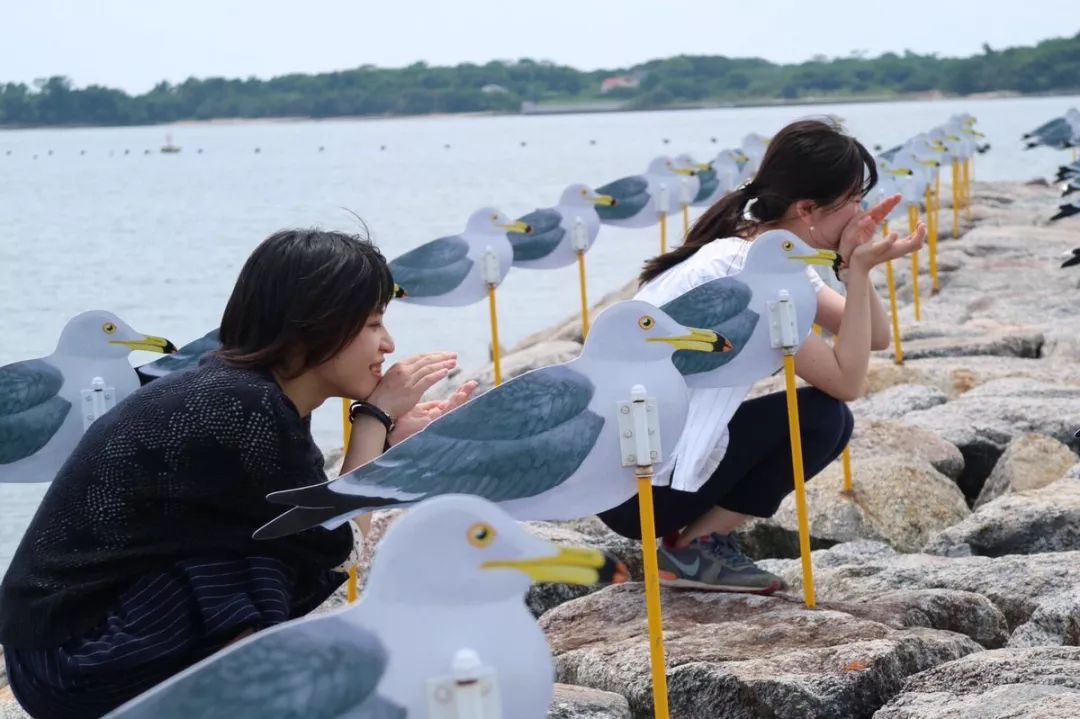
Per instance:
(830,313)
(840,370)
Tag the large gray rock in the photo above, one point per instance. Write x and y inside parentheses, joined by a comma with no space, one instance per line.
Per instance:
(1018,585)
(744,656)
(573,702)
(1042,520)
(1008,343)
(9,708)
(897,401)
(1029,462)
(894,499)
(1000,684)
(876,439)
(984,420)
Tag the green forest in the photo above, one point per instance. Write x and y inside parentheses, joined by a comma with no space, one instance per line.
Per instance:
(1052,66)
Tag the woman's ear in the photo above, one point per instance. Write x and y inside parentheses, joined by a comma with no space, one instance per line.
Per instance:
(803,210)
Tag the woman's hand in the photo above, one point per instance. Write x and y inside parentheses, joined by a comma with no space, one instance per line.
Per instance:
(405,382)
(424,413)
(864,226)
(875,252)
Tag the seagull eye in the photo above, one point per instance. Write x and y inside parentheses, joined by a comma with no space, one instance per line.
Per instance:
(481,535)
(109,328)
(646,322)
(788,245)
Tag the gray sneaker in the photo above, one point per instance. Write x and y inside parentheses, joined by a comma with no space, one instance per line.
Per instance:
(714,563)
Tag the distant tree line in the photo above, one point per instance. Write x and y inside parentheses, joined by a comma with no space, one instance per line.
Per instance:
(1049,67)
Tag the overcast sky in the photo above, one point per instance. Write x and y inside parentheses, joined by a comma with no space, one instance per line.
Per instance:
(132,44)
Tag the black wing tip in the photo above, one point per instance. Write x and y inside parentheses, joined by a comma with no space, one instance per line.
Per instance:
(1063,212)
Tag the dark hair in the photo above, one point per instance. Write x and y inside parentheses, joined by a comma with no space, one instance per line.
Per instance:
(808,159)
(301,297)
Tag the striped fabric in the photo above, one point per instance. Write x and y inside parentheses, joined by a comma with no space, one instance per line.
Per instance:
(703,443)
(161,625)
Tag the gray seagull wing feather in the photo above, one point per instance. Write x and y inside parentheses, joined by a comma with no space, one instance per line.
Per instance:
(547,232)
(31,410)
(517,440)
(433,268)
(322,669)
(707,184)
(184,358)
(721,305)
(631,195)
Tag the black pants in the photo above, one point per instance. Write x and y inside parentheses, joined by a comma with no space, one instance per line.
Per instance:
(756,472)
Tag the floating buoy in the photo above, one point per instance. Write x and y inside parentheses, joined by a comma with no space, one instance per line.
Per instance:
(321,148)
(523,143)
(50,153)
(82,152)
(146,152)
(592,142)
(382,147)
(199,151)
(666,141)
(126,152)
(446,146)
(712,140)
(257,151)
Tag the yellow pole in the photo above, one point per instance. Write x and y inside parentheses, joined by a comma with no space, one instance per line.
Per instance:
(685,222)
(652,593)
(937,201)
(932,235)
(800,482)
(955,199)
(967,188)
(663,233)
(350,589)
(816,329)
(898,348)
(913,221)
(346,425)
(584,296)
(494,336)
(845,459)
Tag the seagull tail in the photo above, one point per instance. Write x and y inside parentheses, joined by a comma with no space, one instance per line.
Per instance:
(1071,262)
(1065,211)
(296,520)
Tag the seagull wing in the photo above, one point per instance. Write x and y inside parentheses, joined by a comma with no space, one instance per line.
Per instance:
(518,440)
(434,268)
(721,305)
(31,409)
(321,668)
(631,195)
(546,232)
(184,358)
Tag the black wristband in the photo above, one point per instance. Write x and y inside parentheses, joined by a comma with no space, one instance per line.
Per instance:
(359,408)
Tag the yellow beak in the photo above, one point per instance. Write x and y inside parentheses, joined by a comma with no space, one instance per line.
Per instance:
(683,171)
(929,163)
(572,565)
(901,172)
(742,156)
(698,340)
(519,226)
(399,291)
(703,166)
(825,258)
(148,343)
(607,200)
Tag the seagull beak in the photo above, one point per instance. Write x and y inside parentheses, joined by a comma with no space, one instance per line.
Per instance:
(698,341)
(827,258)
(148,343)
(572,565)
(742,157)
(519,227)
(606,200)
(399,292)
(901,172)
(686,171)
(703,166)
(930,163)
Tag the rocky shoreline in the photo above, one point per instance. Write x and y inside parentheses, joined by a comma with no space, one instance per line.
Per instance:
(946,580)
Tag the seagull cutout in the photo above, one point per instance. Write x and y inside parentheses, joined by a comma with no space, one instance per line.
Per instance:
(449,271)
(718,177)
(736,308)
(451,574)
(1067,210)
(639,198)
(1059,133)
(41,401)
(1066,173)
(545,444)
(549,240)
(184,358)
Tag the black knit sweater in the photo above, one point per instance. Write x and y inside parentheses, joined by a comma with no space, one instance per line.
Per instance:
(178,470)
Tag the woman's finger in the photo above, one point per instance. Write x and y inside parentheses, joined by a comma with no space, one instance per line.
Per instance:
(422,371)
